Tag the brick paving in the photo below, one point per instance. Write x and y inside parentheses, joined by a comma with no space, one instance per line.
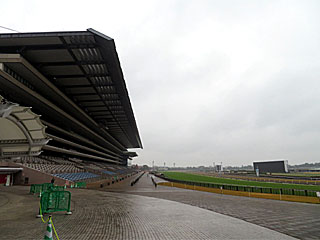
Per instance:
(114,215)
(299,220)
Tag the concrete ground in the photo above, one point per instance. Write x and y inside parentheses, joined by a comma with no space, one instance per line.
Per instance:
(120,213)
(300,220)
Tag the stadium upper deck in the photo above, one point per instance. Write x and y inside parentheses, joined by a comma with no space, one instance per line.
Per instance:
(75,82)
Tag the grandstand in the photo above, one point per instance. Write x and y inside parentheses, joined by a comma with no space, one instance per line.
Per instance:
(65,109)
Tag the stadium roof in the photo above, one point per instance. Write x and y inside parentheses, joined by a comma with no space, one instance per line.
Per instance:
(83,66)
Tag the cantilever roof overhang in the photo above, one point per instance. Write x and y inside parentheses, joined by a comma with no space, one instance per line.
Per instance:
(83,65)
(9,170)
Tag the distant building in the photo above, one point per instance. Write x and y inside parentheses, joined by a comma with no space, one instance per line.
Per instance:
(145,168)
(218,168)
(162,168)
(272,166)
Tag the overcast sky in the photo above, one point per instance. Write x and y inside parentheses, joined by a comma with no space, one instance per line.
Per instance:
(209,81)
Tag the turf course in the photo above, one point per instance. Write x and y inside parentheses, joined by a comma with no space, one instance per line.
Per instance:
(303,174)
(206,179)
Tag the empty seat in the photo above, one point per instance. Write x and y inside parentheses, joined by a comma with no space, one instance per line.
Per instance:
(76,176)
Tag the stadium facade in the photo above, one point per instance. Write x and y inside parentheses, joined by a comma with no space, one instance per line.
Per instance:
(73,83)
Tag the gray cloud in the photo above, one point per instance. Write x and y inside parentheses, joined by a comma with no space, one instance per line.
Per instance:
(230,81)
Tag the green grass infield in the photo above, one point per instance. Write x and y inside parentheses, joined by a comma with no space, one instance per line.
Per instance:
(207,179)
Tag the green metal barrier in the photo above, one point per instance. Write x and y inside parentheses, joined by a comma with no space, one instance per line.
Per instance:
(47,186)
(40,188)
(57,188)
(80,185)
(35,188)
(55,201)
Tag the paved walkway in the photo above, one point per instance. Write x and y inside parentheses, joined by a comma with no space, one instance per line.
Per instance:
(112,215)
(299,220)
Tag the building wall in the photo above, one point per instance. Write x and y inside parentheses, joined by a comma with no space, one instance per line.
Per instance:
(30,176)
(3,178)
